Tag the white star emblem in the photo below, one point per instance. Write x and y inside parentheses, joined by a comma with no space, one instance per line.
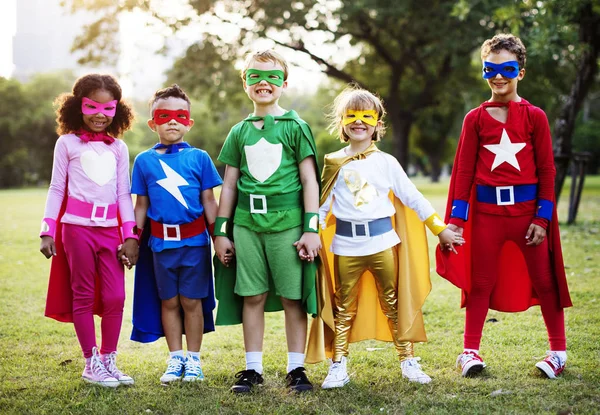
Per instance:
(506,151)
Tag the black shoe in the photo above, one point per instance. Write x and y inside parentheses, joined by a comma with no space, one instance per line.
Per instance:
(297,380)
(246,379)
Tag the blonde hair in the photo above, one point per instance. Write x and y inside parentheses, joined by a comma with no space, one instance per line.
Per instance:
(265,56)
(355,98)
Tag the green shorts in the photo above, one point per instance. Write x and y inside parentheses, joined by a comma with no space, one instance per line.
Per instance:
(265,259)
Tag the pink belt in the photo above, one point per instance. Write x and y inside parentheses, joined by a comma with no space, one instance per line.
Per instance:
(98,212)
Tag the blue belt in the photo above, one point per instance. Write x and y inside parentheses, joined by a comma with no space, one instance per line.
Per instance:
(506,195)
(363,229)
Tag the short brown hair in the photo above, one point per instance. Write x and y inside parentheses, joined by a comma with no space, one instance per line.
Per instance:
(507,42)
(265,56)
(173,91)
(355,98)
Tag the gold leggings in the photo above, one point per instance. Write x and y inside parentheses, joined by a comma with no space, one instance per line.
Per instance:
(348,270)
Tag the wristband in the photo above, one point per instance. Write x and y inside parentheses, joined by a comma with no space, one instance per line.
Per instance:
(460,209)
(545,208)
(311,222)
(48,227)
(435,224)
(220,226)
(130,231)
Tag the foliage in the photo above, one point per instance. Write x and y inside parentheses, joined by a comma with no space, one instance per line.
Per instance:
(41,360)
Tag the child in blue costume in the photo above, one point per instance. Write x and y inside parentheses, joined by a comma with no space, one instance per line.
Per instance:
(174,186)
(271,185)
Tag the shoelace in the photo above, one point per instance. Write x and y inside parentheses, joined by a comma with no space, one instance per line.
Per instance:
(192,366)
(174,365)
(465,357)
(110,361)
(99,369)
(554,361)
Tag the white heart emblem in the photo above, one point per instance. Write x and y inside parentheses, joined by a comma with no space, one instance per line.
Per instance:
(100,168)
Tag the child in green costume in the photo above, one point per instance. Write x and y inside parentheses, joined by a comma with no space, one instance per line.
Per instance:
(271,184)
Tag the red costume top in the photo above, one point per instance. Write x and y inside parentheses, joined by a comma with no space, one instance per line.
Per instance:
(497,158)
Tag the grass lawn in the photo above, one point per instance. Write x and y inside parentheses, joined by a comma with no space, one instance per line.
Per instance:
(41,363)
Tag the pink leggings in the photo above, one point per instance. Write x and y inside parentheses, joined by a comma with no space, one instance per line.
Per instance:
(90,251)
(489,234)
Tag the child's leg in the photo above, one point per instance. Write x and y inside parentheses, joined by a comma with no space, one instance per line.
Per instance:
(253,322)
(487,239)
(348,271)
(112,275)
(194,322)
(295,326)
(80,252)
(171,322)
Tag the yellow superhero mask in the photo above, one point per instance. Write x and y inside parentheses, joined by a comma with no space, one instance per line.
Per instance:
(368,117)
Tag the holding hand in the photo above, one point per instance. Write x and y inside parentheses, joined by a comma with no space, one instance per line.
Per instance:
(449,238)
(535,235)
(47,246)
(308,246)
(225,250)
(128,252)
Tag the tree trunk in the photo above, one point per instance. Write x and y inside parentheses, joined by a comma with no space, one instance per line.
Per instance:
(401,123)
(586,73)
(436,166)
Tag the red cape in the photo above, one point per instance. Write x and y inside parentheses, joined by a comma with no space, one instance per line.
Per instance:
(59,301)
(514,290)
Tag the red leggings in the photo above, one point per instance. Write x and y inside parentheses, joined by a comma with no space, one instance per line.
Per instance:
(488,236)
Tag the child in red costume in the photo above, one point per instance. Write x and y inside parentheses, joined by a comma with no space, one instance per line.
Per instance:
(502,197)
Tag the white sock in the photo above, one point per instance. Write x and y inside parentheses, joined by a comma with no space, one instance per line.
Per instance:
(562,354)
(195,355)
(177,353)
(295,360)
(472,351)
(254,361)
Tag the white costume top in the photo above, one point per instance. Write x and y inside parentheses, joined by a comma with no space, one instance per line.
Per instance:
(360,193)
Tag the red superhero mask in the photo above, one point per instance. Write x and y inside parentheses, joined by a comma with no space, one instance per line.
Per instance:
(164,116)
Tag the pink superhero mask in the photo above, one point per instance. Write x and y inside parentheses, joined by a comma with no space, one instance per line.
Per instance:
(90,107)
(164,116)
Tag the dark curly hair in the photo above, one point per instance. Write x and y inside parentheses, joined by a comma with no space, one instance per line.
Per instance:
(68,113)
(174,91)
(505,41)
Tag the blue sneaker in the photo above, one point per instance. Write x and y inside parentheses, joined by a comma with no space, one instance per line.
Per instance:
(174,370)
(193,370)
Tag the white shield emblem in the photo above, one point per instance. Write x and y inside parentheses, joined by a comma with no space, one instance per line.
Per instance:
(263,159)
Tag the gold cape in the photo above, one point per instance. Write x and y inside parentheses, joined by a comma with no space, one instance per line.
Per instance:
(414,283)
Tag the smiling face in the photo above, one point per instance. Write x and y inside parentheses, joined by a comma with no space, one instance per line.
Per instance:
(264,93)
(503,89)
(98,122)
(360,131)
(171,132)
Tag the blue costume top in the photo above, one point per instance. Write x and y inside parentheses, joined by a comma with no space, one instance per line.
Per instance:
(174,183)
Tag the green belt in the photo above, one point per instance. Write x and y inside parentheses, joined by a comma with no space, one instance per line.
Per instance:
(262,204)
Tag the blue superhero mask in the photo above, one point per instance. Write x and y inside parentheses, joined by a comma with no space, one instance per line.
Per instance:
(508,69)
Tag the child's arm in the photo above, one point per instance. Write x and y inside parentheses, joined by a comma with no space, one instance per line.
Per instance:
(130,247)
(224,247)
(141,208)
(210,205)
(309,244)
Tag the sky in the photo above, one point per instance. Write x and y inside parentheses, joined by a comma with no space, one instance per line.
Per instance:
(8,23)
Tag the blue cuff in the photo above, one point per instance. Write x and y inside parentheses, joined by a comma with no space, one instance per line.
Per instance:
(545,208)
(460,209)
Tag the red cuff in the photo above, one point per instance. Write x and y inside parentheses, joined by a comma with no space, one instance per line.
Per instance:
(211,231)
(457,221)
(541,222)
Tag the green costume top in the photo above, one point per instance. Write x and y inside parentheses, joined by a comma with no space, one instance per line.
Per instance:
(268,160)
(269,189)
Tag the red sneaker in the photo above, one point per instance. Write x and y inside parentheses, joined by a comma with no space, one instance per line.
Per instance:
(552,365)
(470,363)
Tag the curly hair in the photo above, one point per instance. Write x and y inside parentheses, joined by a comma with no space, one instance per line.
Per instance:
(507,42)
(173,91)
(68,112)
(355,98)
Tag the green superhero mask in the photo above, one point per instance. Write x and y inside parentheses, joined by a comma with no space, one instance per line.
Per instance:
(254,76)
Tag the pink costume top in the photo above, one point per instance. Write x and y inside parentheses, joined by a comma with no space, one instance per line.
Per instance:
(95,173)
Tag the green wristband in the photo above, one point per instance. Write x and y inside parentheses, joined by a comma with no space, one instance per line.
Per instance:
(221,225)
(311,222)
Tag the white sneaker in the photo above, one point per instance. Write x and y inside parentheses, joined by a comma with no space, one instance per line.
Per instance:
(552,365)
(337,376)
(411,370)
(470,363)
(110,362)
(175,369)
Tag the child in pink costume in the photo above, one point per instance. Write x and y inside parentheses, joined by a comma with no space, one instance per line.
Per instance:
(88,199)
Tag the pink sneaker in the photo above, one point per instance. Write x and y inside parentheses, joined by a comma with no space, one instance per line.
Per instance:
(110,362)
(470,363)
(552,365)
(96,373)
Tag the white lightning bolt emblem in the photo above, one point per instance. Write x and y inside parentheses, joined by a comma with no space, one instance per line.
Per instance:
(172,182)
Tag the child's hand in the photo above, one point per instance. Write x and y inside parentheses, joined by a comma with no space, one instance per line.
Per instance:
(308,246)
(225,250)
(535,235)
(132,251)
(47,246)
(449,238)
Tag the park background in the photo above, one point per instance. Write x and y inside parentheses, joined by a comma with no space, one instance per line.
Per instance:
(422,58)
